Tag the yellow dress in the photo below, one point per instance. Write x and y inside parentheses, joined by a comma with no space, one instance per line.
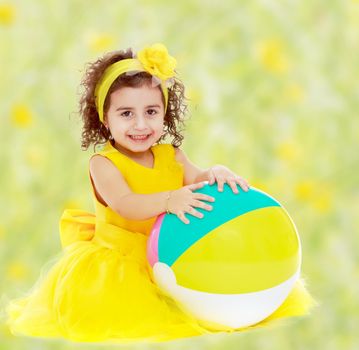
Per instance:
(100,287)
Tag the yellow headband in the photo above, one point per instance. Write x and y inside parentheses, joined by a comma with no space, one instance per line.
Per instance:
(154,60)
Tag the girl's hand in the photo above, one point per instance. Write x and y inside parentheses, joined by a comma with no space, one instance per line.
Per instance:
(222,174)
(183,200)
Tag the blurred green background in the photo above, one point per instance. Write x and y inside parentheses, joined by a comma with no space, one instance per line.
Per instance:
(274,96)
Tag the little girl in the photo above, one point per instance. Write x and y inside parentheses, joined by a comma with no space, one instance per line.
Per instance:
(101,287)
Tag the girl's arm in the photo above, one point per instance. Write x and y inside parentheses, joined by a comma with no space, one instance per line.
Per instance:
(112,190)
(192,173)
(136,206)
(217,173)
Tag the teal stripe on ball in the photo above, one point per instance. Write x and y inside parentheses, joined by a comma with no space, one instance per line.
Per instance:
(176,237)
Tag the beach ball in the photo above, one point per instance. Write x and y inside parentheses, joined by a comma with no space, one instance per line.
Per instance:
(235,266)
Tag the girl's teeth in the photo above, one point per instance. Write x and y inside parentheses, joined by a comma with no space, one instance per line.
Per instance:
(139,137)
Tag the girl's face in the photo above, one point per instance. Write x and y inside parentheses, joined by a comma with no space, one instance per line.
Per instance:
(135,112)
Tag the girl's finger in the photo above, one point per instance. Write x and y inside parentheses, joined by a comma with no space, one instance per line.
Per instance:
(244,180)
(220,182)
(242,183)
(196,185)
(232,183)
(183,218)
(211,178)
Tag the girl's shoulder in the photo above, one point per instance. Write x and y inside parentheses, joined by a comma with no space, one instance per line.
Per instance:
(166,149)
(106,149)
(165,146)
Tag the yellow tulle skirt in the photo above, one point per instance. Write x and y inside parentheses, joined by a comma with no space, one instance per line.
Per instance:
(100,289)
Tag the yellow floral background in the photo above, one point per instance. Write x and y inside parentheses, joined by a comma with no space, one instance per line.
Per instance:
(274,95)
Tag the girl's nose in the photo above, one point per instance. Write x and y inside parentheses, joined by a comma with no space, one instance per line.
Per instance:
(140,123)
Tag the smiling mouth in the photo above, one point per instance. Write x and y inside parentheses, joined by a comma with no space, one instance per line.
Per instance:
(139,137)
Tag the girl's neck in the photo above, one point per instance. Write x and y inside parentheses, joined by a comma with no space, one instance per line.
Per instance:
(134,155)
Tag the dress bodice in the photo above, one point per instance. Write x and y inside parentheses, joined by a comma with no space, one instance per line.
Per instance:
(166,174)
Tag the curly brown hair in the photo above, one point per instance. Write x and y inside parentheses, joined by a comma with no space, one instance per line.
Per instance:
(94,132)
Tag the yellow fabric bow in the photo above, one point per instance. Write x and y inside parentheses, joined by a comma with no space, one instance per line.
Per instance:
(153,59)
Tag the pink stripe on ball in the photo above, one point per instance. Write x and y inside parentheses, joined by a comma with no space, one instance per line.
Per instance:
(152,244)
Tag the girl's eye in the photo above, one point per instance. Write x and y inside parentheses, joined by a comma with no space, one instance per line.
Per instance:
(155,112)
(124,113)
(127,115)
